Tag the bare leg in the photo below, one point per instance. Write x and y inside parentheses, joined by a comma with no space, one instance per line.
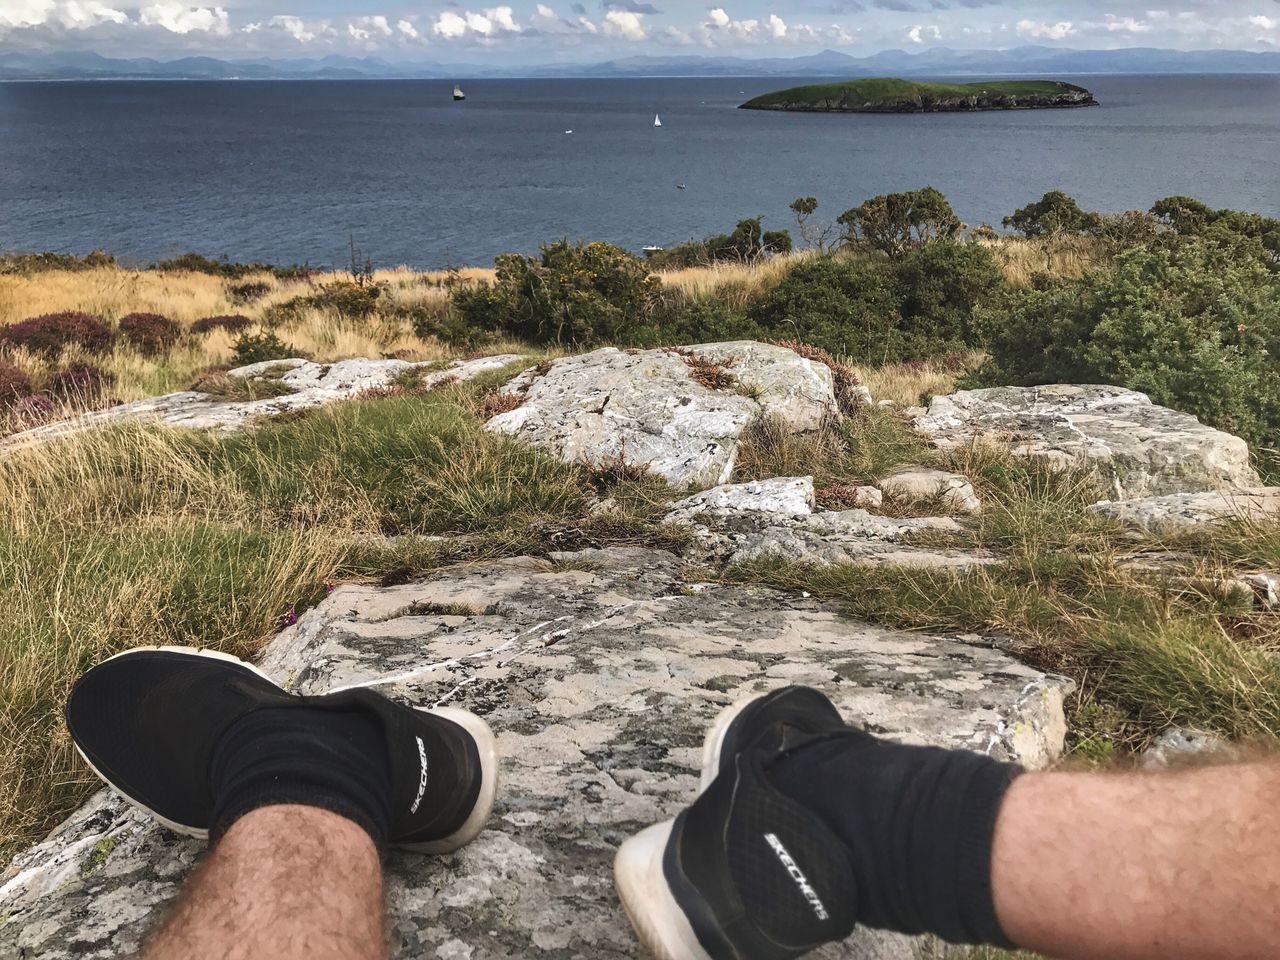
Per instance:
(286,882)
(1128,867)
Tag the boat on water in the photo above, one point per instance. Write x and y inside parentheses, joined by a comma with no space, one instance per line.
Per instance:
(457,93)
(657,121)
(650,250)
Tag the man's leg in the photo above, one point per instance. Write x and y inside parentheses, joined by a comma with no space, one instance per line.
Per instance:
(1127,867)
(287,882)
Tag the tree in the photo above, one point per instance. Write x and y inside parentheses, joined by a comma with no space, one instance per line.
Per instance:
(1054,213)
(898,222)
(817,235)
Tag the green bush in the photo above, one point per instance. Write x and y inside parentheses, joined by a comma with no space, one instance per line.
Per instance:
(917,306)
(708,321)
(1054,213)
(748,241)
(1191,218)
(249,348)
(896,223)
(580,294)
(1196,325)
(151,333)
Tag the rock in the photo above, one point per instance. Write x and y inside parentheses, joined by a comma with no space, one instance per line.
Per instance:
(1180,512)
(1138,449)
(1183,748)
(1265,588)
(779,497)
(919,485)
(828,537)
(646,409)
(867,498)
(314,385)
(600,675)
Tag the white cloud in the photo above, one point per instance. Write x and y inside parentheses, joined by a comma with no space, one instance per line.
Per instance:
(1116,24)
(177,17)
(367,28)
(544,12)
(625,24)
(920,33)
(1046,31)
(407,29)
(293,26)
(718,18)
(449,25)
(490,23)
(777,26)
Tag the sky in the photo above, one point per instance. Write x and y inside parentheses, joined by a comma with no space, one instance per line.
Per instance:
(587,31)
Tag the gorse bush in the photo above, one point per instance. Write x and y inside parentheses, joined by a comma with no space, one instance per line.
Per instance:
(570,294)
(895,223)
(79,382)
(27,263)
(749,241)
(1195,325)
(259,348)
(151,333)
(50,333)
(1053,213)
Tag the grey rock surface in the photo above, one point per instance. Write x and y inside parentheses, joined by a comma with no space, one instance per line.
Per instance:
(600,676)
(1137,448)
(1180,747)
(921,485)
(314,385)
(645,407)
(1179,512)
(777,497)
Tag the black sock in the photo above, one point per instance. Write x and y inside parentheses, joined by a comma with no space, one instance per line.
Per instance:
(918,822)
(336,760)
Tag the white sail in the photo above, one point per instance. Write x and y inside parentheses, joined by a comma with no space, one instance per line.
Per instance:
(656,121)
(457,93)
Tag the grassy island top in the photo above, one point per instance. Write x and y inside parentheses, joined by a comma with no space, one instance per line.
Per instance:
(887,92)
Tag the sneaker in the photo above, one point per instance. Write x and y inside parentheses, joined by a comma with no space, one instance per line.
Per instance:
(775,722)
(742,872)
(147,721)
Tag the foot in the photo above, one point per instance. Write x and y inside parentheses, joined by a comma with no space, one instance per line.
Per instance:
(148,721)
(777,721)
(743,872)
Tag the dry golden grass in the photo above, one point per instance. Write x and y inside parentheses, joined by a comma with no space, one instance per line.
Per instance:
(908,385)
(738,284)
(1065,257)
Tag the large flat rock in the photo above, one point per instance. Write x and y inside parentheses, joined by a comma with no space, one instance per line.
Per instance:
(313,385)
(600,674)
(1180,512)
(648,408)
(1137,448)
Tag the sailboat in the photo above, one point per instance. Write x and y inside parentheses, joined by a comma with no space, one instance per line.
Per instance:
(457,93)
(657,122)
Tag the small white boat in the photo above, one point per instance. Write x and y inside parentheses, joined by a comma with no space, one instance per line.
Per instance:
(568,131)
(457,93)
(649,251)
(657,121)
(679,186)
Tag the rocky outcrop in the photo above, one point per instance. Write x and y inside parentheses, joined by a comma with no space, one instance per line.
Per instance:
(777,497)
(922,486)
(600,673)
(309,384)
(1180,512)
(1137,448)
(680,414)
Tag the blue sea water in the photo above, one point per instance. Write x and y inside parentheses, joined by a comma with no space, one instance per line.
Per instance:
(291,171)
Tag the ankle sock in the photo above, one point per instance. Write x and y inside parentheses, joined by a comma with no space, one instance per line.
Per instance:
(918,824)
(335,760)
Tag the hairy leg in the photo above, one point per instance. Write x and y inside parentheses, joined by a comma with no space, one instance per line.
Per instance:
(287,882)
(1179,865)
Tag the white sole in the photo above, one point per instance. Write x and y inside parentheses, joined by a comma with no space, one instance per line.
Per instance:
(478,729)
(657,919)
(713,744)
(488,748)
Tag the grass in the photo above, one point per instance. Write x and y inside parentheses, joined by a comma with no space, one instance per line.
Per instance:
(140,535)
(889,93)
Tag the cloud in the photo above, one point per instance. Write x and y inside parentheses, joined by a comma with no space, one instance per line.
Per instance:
(777,27)
(368,28)
(177,17)
(290,26)
(921,32)
(1046,31)
(492,22)
(407,29)
(630,6)
(625,24)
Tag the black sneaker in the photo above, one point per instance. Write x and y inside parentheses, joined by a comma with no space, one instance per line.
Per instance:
(744,872)
(774,722)
(147,721)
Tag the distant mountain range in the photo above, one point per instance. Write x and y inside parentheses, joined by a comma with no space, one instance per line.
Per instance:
(938,62)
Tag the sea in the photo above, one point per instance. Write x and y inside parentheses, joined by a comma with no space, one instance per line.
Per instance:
(303,171)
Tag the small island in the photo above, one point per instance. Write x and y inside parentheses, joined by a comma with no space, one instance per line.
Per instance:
(908,96)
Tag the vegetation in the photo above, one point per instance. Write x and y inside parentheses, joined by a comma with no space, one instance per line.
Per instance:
(890,95)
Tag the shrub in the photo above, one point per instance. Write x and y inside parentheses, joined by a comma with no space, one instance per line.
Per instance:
(1054,213)
(1195,325)
(79,381)
(265,346)
(248,291)
(707,321)
(31,412)
(569,294)
(40,262)
(748,241)
(150,332)
(352,301)
(1192,218)
(231,322)
(221,267)
(895,223)
(14,385)
(50,333)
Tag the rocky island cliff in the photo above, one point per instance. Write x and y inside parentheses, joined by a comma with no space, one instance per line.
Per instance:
(906,96)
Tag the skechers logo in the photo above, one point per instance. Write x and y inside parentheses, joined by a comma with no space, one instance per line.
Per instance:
(801,881)
(422,775)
